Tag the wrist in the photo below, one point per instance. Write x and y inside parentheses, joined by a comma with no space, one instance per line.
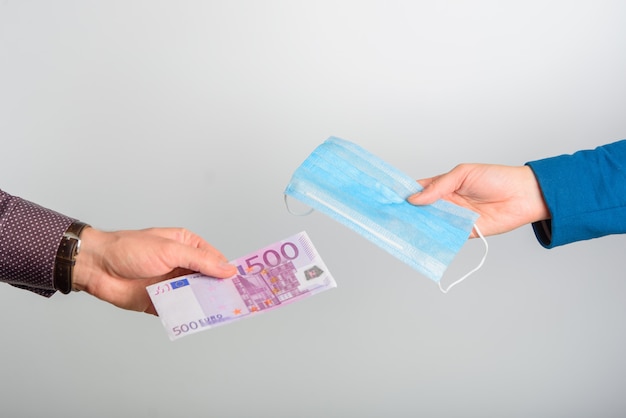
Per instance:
(539,209)
(88,261)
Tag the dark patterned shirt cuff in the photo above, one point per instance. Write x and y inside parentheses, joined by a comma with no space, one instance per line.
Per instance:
(29,239)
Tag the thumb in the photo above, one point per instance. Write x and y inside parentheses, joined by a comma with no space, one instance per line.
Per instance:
(203,261)
(430,193)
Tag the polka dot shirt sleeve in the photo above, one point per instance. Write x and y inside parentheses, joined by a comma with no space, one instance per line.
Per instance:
(29,240)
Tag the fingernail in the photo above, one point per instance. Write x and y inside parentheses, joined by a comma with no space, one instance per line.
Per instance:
(227,267)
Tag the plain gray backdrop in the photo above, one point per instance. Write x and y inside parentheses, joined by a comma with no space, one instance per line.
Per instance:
(131,114)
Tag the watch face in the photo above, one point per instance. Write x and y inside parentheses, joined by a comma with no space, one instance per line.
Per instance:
(70,245)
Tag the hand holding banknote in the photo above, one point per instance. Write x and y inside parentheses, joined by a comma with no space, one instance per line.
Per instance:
(117,266)
(271,277)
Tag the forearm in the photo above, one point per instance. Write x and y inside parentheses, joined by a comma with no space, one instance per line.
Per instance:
(585,193)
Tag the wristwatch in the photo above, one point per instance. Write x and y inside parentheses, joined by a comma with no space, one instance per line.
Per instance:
(66,257)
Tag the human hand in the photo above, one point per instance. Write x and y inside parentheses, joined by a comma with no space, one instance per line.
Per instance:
(117,266)
(505,197)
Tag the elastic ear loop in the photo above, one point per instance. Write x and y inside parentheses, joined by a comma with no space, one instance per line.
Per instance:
(296,214)
(472,271)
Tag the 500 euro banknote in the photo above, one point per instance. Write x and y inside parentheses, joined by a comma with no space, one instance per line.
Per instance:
(267,279)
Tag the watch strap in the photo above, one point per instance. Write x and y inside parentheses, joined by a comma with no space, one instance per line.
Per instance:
(66,257)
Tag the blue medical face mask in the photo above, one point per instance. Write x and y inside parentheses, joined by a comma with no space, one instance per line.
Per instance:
(368,195)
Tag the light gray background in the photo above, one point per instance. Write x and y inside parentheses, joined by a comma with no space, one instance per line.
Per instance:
(130,114)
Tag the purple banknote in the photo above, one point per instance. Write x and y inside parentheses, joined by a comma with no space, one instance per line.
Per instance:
(269,278)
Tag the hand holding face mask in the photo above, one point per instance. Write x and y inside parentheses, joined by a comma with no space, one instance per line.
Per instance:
(506,197)
(369,196)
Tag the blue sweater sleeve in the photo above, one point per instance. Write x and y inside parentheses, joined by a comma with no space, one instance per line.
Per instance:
(585,193)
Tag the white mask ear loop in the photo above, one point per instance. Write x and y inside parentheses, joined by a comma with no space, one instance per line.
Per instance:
(295,214)
(475,269)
